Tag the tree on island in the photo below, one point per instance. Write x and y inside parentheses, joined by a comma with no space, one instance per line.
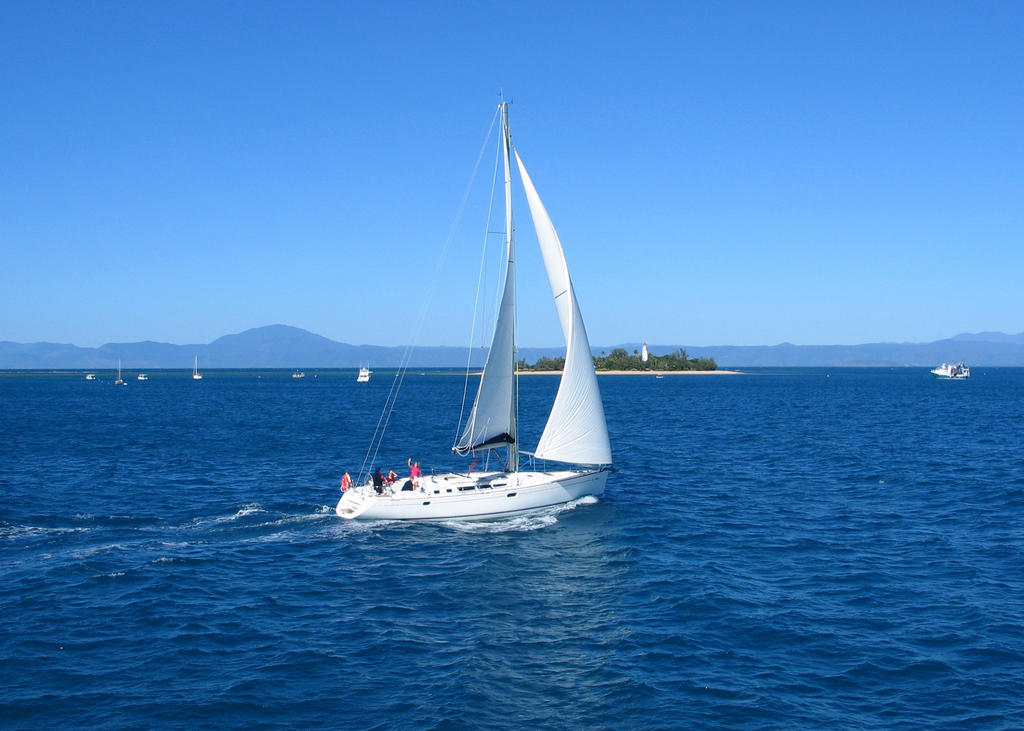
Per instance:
(620,360)
(542,364)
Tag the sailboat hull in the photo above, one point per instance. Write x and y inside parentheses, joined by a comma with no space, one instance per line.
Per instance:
(478,497)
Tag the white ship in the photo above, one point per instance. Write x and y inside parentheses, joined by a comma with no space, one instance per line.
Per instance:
(952,371)
(364,375)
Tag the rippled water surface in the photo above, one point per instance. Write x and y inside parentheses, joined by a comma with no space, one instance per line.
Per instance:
(807,548)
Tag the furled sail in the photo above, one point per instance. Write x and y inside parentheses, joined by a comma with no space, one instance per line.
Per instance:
(492,422)
(576,431)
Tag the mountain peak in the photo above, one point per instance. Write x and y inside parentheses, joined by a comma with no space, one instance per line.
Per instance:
(268,333)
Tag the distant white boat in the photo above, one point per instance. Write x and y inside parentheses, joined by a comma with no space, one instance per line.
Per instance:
(952,371)
(196,375)
(142,377)
(119,381)
(364,375)
(298,374)
(90,376)
(576,434)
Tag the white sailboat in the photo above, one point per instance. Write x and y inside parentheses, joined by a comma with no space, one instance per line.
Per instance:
(196,375)
(119,381)
(575,435)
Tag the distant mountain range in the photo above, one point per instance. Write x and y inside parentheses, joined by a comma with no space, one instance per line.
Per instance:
(282,346)
(975,349)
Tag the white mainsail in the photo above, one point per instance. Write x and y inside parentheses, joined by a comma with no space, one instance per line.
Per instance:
(576,431)
(492,422)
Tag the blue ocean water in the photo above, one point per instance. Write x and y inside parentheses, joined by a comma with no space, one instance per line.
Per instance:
(806,548)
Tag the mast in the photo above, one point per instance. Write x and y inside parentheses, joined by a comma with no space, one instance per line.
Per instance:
(492,421)
(513,447)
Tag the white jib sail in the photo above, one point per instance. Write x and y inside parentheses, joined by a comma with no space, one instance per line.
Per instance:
(492,421)
(576,431)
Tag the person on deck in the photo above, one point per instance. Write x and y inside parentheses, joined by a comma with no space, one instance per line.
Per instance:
(414,473)
(346,482)
(378,481)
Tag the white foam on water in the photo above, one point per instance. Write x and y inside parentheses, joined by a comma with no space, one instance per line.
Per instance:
(278,536)
(344,528)
(291,519)
(519,523)
(93,550)
(535,520)
(245,510)
(10,530)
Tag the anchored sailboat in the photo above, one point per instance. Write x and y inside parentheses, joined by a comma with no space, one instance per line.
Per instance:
(575,435)
(196,375)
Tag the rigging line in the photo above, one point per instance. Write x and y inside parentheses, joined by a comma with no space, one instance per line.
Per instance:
(476,297)
(389,408)
(404,364)
(389,405)
(396,387)
(364,469)
(367,462)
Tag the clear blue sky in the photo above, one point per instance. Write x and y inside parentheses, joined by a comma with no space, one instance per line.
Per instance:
(719,173)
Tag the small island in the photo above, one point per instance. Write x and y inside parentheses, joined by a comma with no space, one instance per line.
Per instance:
(620,360)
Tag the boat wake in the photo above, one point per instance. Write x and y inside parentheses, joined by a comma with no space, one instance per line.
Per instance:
(535,520)
(254,517)
(244,511)
(15,532)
